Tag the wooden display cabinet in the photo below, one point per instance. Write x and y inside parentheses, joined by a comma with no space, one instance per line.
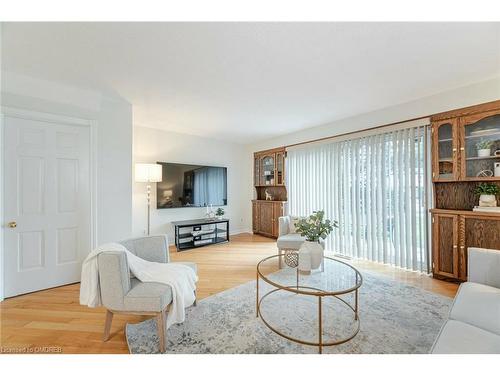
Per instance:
(269,180)
(456,164)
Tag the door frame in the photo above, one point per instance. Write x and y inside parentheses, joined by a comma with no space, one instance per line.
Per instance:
(28,114)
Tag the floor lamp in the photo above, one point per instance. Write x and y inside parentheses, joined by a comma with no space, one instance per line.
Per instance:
(148,173)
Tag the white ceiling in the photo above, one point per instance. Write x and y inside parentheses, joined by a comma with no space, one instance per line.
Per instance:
(248,81)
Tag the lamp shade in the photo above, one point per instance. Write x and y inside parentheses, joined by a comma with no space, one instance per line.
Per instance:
(148,172)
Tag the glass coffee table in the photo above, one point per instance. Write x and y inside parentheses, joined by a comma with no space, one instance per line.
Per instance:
(333,292)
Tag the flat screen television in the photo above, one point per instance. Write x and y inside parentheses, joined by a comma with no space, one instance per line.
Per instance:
(186,185)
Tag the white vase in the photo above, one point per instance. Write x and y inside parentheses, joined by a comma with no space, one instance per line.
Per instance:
(310,256)
(304,259)
(487,200)
(485,152)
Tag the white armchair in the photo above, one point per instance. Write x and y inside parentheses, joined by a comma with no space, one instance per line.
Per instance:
(122,293)
(288,239)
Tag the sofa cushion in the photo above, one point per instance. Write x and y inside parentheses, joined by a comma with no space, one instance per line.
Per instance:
(290,241)
(483,266)
(478,305)
(461,338)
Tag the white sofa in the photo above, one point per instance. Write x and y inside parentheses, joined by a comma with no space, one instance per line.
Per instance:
(473,325)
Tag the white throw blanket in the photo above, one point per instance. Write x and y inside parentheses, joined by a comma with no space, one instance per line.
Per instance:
(181,279)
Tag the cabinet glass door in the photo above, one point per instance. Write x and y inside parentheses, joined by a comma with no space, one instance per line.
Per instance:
(446,158)
(256,171)
(481,146)
(267,172)
(280,168)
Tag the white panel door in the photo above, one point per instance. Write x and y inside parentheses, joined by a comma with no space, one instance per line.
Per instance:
(47,204)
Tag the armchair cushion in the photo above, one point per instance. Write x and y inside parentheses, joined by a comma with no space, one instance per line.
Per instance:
(284,225)
(290,241)
(114,278)
(147,297)
(293,221)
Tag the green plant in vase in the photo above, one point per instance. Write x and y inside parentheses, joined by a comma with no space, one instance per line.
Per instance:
(484,148)
(487,194)
(314,228)
(220,212)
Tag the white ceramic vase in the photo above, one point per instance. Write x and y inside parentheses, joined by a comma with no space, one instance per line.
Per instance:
(484,153)
(486,200)
(310,256)
(304,259)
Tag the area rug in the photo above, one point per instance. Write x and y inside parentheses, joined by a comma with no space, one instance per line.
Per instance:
(394,318)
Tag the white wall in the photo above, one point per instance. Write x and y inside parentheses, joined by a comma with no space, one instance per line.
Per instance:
(453,99)
(114,142)
(151,145)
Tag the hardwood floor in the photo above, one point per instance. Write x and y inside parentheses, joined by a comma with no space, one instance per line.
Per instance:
(54,318)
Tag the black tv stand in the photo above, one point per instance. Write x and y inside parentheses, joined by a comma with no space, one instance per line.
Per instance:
(210,231)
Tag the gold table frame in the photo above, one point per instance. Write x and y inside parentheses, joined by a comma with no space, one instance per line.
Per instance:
(306,290)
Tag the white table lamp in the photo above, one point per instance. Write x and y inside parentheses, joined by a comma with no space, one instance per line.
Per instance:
(149,173)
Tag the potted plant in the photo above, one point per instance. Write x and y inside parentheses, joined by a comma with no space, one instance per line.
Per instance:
(484,148)
(315,229)
(487,194)
(219,212)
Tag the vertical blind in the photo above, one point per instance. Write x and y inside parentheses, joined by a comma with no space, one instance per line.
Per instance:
(375,186)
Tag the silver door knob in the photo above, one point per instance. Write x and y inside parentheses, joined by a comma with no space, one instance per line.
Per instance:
(12,224)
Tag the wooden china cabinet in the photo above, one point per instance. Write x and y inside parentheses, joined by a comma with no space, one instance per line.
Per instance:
(269,181)
(457,169)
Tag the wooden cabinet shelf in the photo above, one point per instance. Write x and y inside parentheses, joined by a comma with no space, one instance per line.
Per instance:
(485,134)
(465,212)
(483,157)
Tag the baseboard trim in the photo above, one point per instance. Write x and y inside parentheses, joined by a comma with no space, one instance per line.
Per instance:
(240,231)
